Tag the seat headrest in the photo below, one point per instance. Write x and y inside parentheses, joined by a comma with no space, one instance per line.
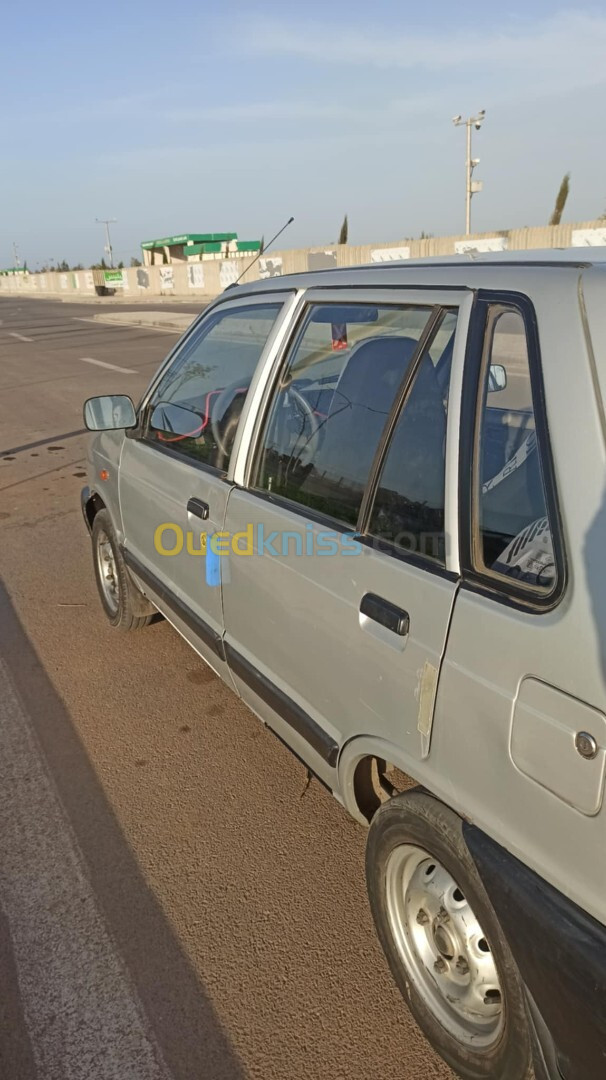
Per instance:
(373,372)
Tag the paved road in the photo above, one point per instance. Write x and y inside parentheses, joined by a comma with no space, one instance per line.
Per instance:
(173,902)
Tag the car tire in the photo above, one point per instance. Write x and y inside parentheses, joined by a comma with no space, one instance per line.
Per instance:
(124,604)
(443,941)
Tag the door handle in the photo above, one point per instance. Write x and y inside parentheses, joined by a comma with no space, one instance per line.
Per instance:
(387,614)
(199,508)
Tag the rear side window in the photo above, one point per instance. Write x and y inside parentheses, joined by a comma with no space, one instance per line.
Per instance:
(513,535)
(332,402)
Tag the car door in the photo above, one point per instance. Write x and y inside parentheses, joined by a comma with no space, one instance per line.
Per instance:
(174,471)
(338,605)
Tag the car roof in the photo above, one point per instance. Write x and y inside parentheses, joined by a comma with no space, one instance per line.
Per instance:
(537,257)
(466,270)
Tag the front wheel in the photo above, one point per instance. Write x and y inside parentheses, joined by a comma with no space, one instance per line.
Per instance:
(443,942)
(123,603)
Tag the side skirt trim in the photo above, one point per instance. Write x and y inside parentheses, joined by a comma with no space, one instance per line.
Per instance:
(293,714)
(193,622)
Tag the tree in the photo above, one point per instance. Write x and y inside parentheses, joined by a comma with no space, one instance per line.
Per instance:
(134,261)
(120,265)
(344,231)
(63,266)
(560,202)
(262,245)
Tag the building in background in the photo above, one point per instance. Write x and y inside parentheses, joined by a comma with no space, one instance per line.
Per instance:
(196,247)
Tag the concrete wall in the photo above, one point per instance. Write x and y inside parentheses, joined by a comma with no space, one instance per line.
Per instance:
(210,277)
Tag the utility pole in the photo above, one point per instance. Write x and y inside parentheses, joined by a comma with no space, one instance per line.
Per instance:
(108,245)
(16,255)
(471,186)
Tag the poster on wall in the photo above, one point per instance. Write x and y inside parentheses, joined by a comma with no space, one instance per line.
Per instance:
(389,254)
(321,260)
(115,279)
(230,272)
(270,267)
(63,281)
(89,283)
(142,278)
(589,237)
(195,276)
(486,243)
(167,279)
(42,279)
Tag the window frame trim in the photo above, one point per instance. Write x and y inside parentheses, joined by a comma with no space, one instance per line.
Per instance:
(459,297)
(485,583)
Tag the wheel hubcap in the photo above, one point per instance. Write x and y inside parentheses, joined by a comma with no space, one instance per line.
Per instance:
(108,572)
(443,947)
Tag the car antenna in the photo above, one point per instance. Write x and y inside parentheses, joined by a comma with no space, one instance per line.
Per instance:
(260,253)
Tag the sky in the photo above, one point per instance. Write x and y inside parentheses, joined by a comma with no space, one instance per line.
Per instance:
(232,116)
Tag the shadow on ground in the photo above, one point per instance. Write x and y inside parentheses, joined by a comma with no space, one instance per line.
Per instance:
(185,1024)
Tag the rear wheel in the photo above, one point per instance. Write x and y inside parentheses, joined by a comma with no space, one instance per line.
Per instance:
(443,941)
(123,603)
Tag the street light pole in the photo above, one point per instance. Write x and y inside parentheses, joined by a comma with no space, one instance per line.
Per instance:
(108,246)
(471,186)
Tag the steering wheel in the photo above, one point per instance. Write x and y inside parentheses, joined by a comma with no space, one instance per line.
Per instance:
(218,410)
(225,399)
(312,442)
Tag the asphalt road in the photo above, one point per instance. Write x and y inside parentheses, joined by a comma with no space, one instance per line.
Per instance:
(174,902)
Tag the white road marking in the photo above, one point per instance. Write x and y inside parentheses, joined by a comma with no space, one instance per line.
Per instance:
(129,326)
(21,337)
(112,367)
(83,1014)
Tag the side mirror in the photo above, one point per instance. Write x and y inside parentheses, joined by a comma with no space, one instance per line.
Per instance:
(497,377)
(111,413)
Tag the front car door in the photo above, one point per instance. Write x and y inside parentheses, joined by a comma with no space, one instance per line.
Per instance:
(174,471)
(350,573)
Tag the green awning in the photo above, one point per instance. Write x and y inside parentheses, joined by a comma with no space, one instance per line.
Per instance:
(189,239)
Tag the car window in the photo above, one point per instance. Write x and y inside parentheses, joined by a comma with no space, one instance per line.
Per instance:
(513,533)
(408,508)
(332,401)
(196,408)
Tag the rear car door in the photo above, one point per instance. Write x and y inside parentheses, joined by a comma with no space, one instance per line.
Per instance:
(519,743)
(174,471)
(337,610)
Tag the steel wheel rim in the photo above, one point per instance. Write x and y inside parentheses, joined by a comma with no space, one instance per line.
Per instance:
(108,572)
(443,947)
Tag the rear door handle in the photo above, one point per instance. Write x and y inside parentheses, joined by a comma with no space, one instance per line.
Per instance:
(387,614)
(199,508)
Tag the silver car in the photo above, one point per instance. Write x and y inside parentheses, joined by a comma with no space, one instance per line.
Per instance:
(373,500)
